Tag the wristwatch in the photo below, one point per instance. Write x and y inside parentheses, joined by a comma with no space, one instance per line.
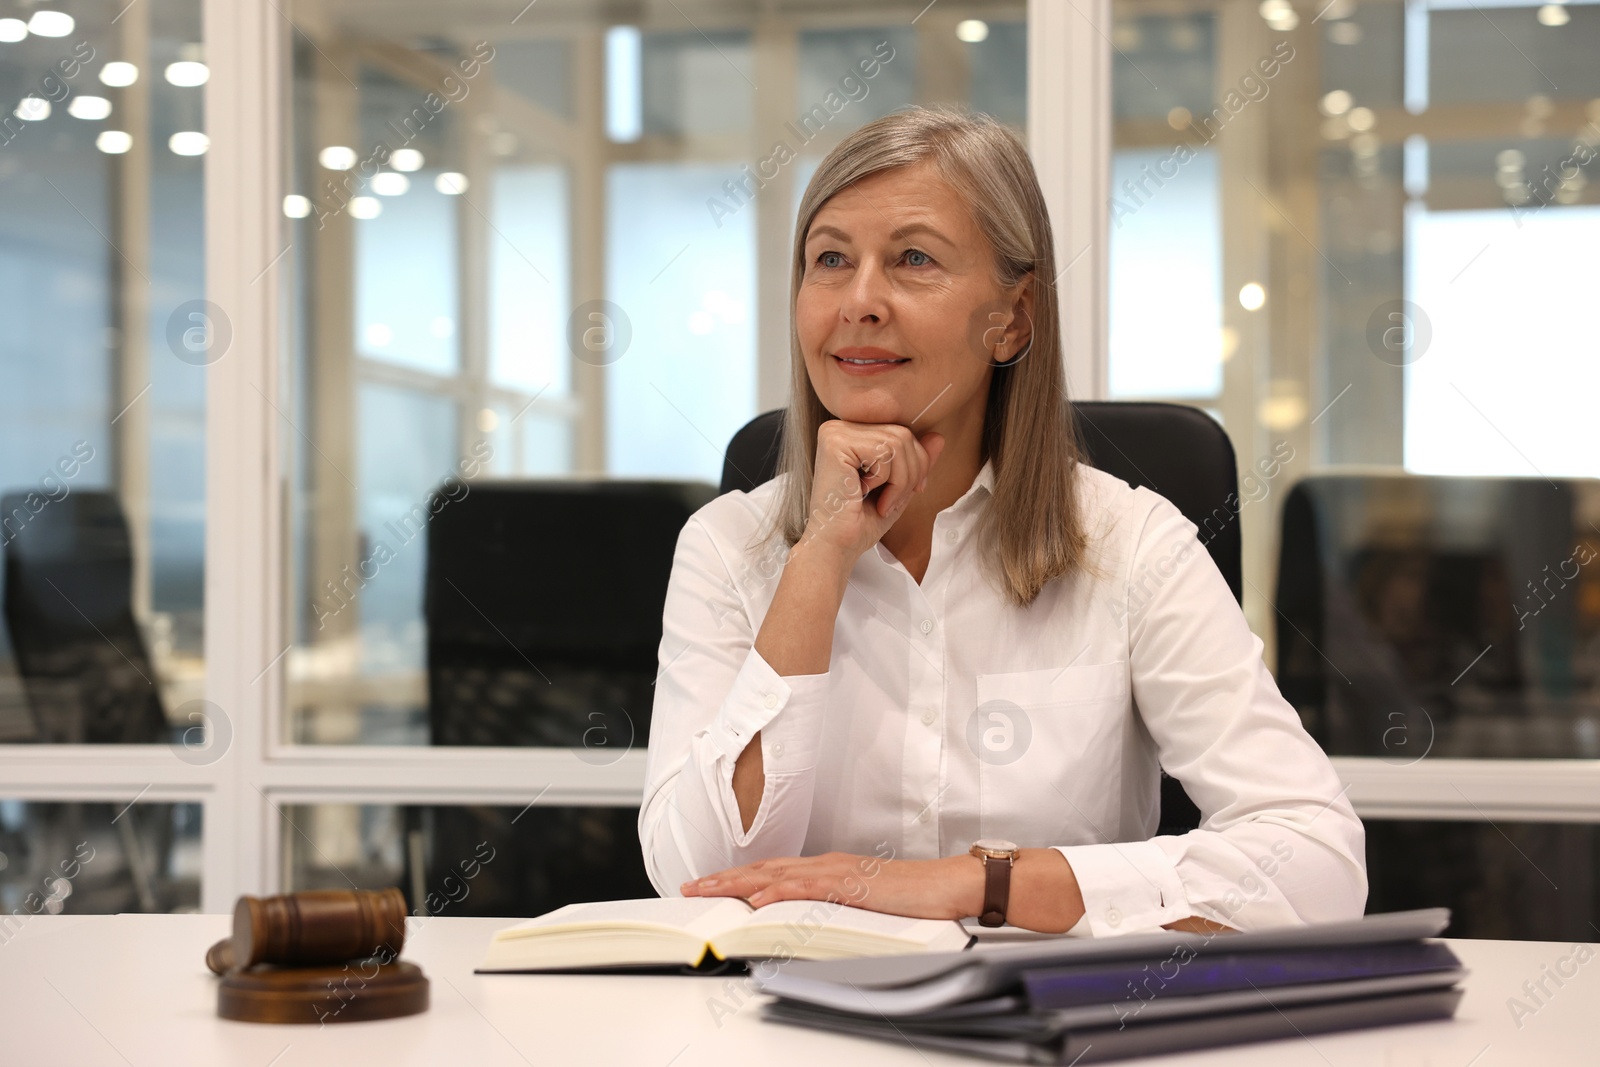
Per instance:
(997,856)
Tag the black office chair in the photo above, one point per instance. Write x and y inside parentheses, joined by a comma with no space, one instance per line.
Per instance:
(1425,618)
(1390,587)
(543,603)
(87,675)
(1177,451)
(69,609)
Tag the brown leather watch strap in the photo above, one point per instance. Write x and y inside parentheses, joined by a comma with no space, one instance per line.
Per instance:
(996,891)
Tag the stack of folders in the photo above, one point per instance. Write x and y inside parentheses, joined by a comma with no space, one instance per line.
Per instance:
(1088,1001)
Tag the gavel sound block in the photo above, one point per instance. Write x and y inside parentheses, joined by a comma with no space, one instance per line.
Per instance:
(318,956)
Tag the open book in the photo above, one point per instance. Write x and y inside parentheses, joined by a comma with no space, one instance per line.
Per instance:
(686,930)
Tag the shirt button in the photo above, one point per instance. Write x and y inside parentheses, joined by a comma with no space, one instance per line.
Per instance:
(927,626)
(777,749)
(927,717)
(952,537)
(771,701)
(1114,917)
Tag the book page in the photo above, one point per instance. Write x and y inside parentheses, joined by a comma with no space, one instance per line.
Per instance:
(701,916)
(815,929)
(814,914)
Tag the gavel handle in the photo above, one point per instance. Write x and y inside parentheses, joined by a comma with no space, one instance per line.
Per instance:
(219,957)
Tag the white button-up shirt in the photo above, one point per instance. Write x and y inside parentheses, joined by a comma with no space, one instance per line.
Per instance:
(948,713)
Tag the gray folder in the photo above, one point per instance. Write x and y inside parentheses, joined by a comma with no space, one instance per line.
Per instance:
(900,986)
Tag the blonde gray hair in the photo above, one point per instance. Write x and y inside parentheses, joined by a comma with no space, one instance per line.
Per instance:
(1032,531)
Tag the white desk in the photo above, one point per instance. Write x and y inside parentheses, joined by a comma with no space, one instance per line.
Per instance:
(82,991)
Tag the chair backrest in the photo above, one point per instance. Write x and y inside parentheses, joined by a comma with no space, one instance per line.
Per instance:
(1177,451)
(543,603)
(69,612)
(1454,615)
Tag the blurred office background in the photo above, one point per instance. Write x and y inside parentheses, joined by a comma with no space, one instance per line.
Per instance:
(1358,234)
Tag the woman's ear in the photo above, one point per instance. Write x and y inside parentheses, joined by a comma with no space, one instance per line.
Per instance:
(1019,337)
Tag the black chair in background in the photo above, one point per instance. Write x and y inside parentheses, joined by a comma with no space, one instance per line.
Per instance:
(1399,627)
(543,603)
(69,610)
(87,674)
(1441,617)
(1177,451)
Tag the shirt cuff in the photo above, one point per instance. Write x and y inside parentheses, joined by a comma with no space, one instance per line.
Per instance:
(788,742)
(1128,887)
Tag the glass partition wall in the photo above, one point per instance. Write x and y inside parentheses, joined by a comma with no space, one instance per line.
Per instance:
(1368,228)
(531,258)
(102,418)
(552,249)
(343,334)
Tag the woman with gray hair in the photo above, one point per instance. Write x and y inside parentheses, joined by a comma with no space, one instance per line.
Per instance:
(934,667)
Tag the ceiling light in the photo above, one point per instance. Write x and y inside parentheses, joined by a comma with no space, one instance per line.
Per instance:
(365,207)
(113,142)
(50,24)
(1282,413)
(451,183)
(1553,15)
(1279,14)
(1252,296)
(1336,103)
(187,73)
(406,159)
(296,206)
(337,157)
(118,74)
(388,183)
(972,31)
(89,107)
(189,143)
(12,30)
(33,109)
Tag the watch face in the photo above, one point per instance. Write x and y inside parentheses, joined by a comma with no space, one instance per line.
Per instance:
(995,844)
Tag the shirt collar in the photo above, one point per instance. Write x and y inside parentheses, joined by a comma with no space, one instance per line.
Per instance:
(984,481)
(982,485)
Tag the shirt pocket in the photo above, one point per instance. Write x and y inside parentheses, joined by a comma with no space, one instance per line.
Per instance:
(1057,686)
(1049,745)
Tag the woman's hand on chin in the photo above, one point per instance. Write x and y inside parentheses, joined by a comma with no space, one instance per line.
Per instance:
(948,888)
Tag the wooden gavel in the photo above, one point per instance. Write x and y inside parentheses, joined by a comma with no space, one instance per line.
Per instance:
(314,926)
(305,957)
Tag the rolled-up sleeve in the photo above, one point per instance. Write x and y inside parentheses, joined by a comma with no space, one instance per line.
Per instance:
(714,692)
(1279,843)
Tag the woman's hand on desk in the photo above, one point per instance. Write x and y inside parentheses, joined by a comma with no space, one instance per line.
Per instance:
(1044,892)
